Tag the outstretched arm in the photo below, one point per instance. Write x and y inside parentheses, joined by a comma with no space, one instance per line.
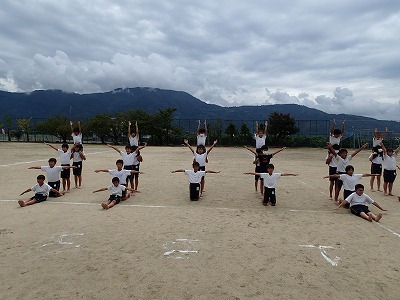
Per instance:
(333,126)
(332,176)
(251,150)
(28,190)
(358,150)
(212,146)
(278,151)
(378,206)
(370,175)
(79,126)
(51,146)
(343,203)
(214,172)
(289,174)
(35,168)
(266,128)
(141,147)
(251,173)
(115,148)
(178,171)
(186,142)
(105,171)
(100,190)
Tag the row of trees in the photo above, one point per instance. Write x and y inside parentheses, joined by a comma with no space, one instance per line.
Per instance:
(159,128)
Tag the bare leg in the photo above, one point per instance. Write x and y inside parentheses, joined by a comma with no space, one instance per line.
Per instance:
(131,181)
(337,192)
(104,205)
(111,204)
(64,183)
(76,181)
(68,185)
(385,188)
(390,188)
(331,186)
(262,186)
(366,217)
(376,218)
(371,183)
(27,202)
(378,182)
(136,182)
(256,185)
(80,180)
(201,186)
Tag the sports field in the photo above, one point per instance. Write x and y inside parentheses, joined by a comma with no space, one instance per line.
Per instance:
(160,245)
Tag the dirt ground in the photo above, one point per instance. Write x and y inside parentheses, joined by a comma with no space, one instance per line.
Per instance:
(160,245)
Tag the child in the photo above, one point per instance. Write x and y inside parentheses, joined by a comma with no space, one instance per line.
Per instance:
(121,174)
(261,135)
(133,136)
(65,157)
(53,175)
(76,133)
(116,193)
(41,190)
(263,159)
(377,139)
(195,177)
(200,156)
(336,134)
(358,204)
(77,155)
(376,159)
(332,169)
(389,172)
(270,180)
(342,159)
(132,159)
(201,134)
(349,180)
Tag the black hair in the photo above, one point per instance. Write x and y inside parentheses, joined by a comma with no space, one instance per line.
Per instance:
(270,166)
(342,150)
(264,147)
(337,131)
(65,145)
(133,148)
(358,186)
(53,160)
(349,167)
(202,147)
(202,130)
(41,177)
(195,164)
(128,146)
(259,150)
(115,179)
(119,161)
(79,147)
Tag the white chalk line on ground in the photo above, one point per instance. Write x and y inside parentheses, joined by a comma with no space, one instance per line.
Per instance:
(33,161)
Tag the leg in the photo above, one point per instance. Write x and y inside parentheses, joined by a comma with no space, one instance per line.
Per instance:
(256,185)
(76,181)
(23,203)
(68,185)
(64,183)
(136,182)
(201,186)
(262,186)
(105,205)
(385,188)
(376,218)
(371,183)
(331,186)
(378,182)
(112,203)
(80,181)
(365,216)
(390,185)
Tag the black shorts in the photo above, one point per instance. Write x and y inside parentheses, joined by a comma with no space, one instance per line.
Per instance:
(39,198)
(136,168)
(389,175)
(78,170)
(332,171)
(339,183)
(376,168)
(203,168)
(55,185)
(257,170)
(194,189)
(358,209)
(128,167)
(66,173)
(269,196)
(115,198)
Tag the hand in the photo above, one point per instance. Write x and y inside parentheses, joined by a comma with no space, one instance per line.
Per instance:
(185,141)
(172,171)
(215,142)
(70,123)
(129,123)
(97,171)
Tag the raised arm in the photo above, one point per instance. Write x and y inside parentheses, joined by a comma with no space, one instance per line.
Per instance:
(28,190)
(100,190)
(115,148)
(256,127)
(129,129)
(358,150)
(71,126)
(266,127)
(51,146)
(343,126)
(79,126)
(251,150)
(278,151)
(383,147)
(333,126)
(205,127)
(186,142)
(198,128)
(136,129)
(212,146)
(178,171)
(141,147)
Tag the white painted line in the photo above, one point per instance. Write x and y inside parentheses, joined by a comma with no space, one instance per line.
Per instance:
(388,229)
(310,211)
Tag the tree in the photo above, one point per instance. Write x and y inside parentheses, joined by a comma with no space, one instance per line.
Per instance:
(245,134)
(25,126)
(57,126)
(280,126)
(7,119)
(101,125)
(231,132)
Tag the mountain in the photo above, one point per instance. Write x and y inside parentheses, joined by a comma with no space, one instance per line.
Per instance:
(43,104)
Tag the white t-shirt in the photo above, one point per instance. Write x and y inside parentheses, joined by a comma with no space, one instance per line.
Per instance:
(53,174)
(77,157)
(390,162)
(65,157)
(349,182)
(134,140)
(200,158)
(44,189)
(260,141)
(122,175)
(335,140)
(342,163)
(376,141)
(195,177)
(377,160)
(201,139)
(355,199)
(270,180)
(128,158)
(332,162)
(77,138)
(116,190)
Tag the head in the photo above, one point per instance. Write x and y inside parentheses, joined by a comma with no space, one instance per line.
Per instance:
(196,166)
(202,131)
(342,153)
(335,147)
(40,179)
(359,189)
(260,133)
(349,170)
(259,151)
(64,147)
(128,149)
(337,133)
(389,152)
(78,148)
(270,168)
(200,149)
(120,164)
(76,131)
(115,181)
(264,148)
(52,162)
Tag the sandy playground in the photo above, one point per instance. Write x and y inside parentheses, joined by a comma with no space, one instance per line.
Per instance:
(160,245)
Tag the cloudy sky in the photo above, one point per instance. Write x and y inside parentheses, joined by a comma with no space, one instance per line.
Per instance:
(337,56)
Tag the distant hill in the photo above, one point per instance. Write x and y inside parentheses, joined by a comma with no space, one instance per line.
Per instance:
(47,103)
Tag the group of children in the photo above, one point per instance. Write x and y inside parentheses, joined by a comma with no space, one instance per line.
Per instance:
(127,171)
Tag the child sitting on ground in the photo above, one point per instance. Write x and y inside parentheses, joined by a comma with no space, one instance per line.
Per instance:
(116,193)
(41,190)
(358,202)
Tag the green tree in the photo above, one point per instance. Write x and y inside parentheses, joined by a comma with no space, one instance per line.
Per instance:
(25,126)
(57,126)
(231,132)
(7,119)
(245,135)
(101,125)
(280,126)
